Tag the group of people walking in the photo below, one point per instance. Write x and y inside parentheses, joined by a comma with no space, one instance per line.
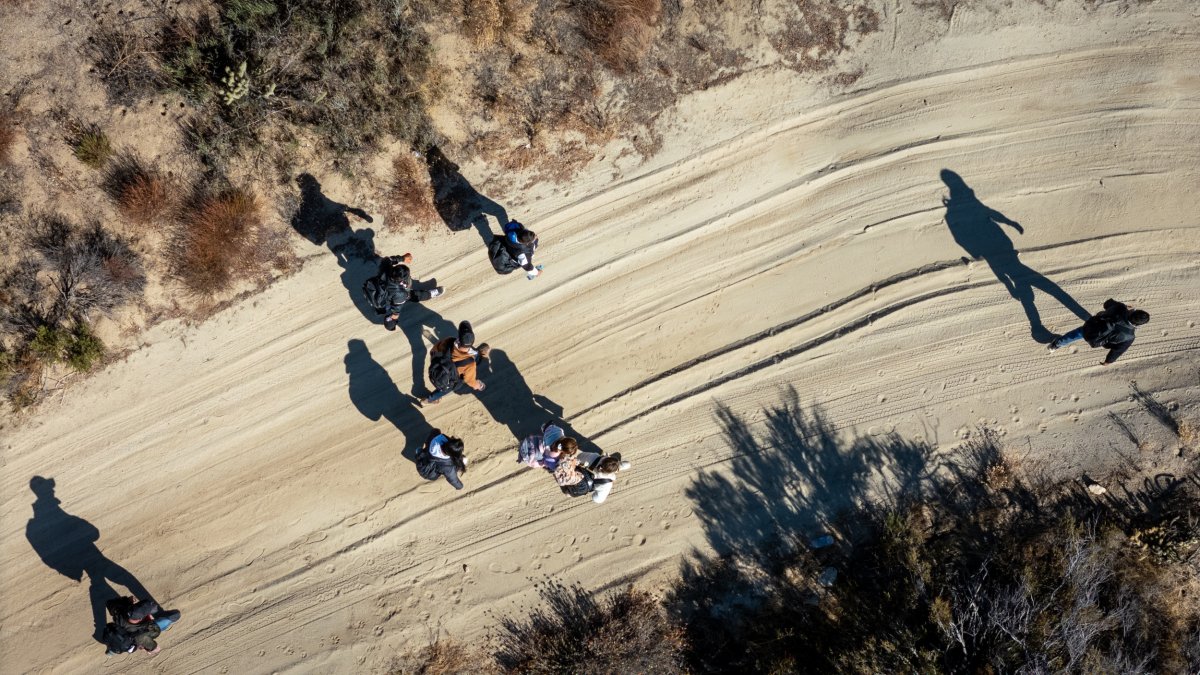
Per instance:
(454,363)
(454,368)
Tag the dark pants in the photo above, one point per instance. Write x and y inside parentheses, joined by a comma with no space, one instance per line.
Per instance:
(414,295)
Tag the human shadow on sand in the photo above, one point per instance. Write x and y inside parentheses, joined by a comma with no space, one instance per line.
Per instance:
(376,396)
(976,228)
(323,222)
(67,544)
(458,203)
(510,401)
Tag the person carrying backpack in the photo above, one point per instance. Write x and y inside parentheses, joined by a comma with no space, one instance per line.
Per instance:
(442,456)
(589,473)
(135,625)
(546,448)
(387,291)
(453,361)
(514,249)
(1113,328)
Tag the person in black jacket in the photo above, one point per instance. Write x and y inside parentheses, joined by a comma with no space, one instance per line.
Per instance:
(442,456)
(393,286)
(516,247)
(1112,328)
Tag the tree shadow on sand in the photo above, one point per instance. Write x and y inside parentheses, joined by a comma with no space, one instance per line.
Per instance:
(798,478)
(376,396)
(458,203)
(976,228)
(67,544)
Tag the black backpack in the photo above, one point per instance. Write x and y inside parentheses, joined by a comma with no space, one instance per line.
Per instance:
(375,290)
(118,641)
(502,260)
(585,486)
(443,372)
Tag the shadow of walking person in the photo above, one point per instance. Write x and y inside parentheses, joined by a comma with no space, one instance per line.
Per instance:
(458,203)
(375,396)
(976,228)
(323,221)
(510,401)
(67,544)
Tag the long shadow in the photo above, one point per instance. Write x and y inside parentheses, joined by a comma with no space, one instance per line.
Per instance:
(323,222)
(976,228)
(415,321)
(458,203)
(376,396)
(510,401)
(67,544)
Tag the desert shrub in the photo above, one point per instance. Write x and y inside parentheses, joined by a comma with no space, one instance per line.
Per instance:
(570,631)
(140,193)
(410,199)
(974,570)
(50,343)
(218,241)
(79,348)
(812,33)
(90,269)
(84,350)
(92,147)
(8,135)
(66,273)
(124,62)
(350,72)
(618,31)
(20,377)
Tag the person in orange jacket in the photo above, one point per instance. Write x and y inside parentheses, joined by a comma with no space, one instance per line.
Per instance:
(453,361)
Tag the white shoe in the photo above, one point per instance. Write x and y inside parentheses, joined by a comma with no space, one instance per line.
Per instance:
(625,466)
(436,292)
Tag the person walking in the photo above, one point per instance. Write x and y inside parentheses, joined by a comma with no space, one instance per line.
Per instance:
(589,473)
(136,625)
(387,291)
(545,449)
(453,362)
(514,249)
(442,455)
(1113,328)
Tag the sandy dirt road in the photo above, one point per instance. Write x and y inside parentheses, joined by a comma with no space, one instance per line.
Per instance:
(254,471)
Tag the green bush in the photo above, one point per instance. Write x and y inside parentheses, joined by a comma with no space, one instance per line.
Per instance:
(93,148)
(50,343)
(84,350)
(351,72)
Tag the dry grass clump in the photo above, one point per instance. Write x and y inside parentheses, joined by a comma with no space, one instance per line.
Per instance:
(8,135)
(483,20)
(92,147)
(570,631)
(219,240)
(140,193)
(814,32)
(410,199)
(124,61)
(619,31)
(441,657)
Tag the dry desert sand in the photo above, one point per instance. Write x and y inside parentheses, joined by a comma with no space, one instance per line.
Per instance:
(250,470)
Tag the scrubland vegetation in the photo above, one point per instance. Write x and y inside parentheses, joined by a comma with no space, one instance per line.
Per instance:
(261,90)
(966,564)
